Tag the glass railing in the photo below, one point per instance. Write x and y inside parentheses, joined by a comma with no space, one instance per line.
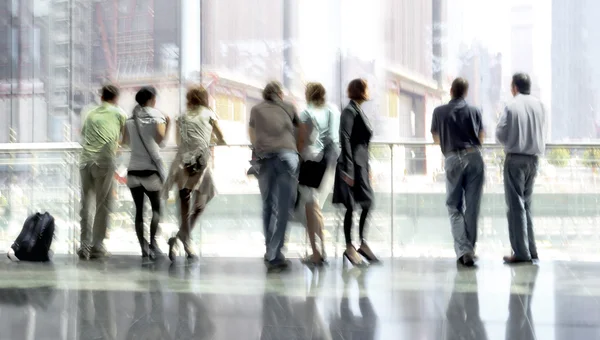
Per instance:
(409,217)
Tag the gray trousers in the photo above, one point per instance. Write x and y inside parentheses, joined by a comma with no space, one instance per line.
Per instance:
(519,177)
(464,187)
(99,181)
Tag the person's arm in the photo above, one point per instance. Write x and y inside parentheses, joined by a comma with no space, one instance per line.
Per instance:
(347,159)
(302,135)
(435,132)
(125,134)
(217,132)
(122,120)
(251,131)
(502,127)
(178,132)
(334,126)
(479,119)
(162,130)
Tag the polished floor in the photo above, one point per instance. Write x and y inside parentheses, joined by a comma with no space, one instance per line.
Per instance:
(227,298)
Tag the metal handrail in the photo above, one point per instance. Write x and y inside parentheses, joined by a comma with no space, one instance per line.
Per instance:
(71,146)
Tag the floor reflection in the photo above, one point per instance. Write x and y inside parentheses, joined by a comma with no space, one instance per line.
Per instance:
(464,319)
(520,325)
(348,324)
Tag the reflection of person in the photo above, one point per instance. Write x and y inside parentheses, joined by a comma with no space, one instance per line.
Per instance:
(521,130)
(192,310)
(272,134)
(144,132)
(322,121)
(100,135)
(519,325)
(352,181)
(190,169)
(464,321)
(348,325)
(148,324)
(458,129)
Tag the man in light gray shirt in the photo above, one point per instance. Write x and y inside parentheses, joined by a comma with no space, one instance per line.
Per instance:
(521,129)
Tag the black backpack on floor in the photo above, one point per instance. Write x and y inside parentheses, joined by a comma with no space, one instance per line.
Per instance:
(35,239)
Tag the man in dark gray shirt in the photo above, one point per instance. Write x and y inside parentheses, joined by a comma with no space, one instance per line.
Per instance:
(521,130)
(457,127)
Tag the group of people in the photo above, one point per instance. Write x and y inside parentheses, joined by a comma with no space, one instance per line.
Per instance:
(145,132)
(457,127)
(298,159)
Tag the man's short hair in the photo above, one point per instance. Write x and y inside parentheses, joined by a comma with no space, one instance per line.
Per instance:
(522,82)
(272,91)
(459,88)
(109,92)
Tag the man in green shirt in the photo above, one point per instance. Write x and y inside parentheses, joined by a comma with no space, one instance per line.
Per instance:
(101,133)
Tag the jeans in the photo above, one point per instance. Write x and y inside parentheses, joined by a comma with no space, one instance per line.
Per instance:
(519,177)
(98,180)
(464,188)
(278,183)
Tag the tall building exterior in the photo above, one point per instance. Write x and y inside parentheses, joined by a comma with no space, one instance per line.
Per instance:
(575,70)
(523,42)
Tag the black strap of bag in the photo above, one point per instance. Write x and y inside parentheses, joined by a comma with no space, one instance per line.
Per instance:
(138,129)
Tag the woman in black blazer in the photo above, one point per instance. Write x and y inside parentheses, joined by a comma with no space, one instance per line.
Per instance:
(352,183)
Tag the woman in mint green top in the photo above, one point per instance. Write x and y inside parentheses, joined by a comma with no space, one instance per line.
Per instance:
(321,123)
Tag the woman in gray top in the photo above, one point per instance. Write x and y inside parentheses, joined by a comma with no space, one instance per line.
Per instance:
(145,131)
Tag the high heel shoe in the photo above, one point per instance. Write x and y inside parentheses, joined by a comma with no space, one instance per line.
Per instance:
(172,243)
(358,263)
(371,258)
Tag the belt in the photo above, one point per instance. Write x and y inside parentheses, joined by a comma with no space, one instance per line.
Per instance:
(465,150)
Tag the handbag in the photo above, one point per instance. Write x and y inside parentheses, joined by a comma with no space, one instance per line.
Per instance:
(161,175)
(312,172)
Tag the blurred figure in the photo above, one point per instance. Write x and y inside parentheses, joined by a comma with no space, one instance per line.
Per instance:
(190,168)
(520,323)
(352,180)
(145,132)
(458,129)
(464,318)
(272,134)
(100,135)
(521,130)
(321,145)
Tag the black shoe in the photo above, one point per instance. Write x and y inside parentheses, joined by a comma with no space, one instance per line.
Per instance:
(535,257)
(514,260)
(98,252)
(154,252)
(359,263)
(467,260)
(277,266)
(84,253)
(172,244)
(372,259)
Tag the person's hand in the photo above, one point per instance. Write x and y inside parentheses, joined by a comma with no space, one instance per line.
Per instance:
(348,180)
(167,119)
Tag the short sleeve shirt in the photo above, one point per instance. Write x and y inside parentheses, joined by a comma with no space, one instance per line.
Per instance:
(458,126)
(195,129)
(100,134)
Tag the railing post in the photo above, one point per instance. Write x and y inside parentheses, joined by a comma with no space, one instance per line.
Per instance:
(392,197)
